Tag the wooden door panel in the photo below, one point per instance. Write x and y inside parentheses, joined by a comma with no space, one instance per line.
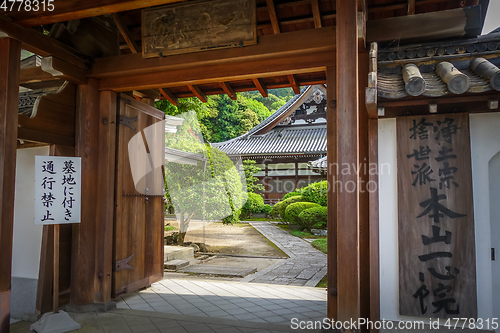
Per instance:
(139,216)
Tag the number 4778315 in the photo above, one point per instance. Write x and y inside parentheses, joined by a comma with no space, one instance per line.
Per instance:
(27,5)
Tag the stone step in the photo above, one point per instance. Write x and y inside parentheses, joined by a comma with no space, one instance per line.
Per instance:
(219,270)
(176,264)
(178,252)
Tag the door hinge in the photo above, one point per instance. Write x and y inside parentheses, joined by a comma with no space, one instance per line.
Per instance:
(127,121)
(123,264)
(121,291)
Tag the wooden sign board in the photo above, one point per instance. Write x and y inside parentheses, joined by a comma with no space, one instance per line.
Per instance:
(437,263)
(198,26)
(57,190)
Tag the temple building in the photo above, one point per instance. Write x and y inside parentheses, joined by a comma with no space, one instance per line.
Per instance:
(283,143)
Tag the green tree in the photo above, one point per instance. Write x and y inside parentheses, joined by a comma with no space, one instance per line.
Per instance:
(250,170)
(210,189)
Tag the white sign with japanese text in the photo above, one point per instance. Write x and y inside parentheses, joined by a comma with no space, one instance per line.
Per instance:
(57,190)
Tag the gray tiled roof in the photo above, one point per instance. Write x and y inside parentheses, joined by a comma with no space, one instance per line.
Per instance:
(319,164)
(297,139)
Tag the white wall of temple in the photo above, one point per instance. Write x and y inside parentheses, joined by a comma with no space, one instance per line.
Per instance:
(485,144)
(27,236)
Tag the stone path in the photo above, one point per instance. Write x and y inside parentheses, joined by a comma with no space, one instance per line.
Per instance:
(305,267)
(228,300)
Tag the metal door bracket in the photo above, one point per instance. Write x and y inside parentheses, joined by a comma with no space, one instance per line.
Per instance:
(127,121)
(123,264)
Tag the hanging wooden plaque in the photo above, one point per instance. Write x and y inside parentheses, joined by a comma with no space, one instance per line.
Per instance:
(198,26)
(437,264)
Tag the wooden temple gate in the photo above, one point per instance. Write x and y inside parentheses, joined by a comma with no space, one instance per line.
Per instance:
(335,56)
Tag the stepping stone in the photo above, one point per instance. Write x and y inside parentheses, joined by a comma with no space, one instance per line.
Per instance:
(219,270)
(176,264)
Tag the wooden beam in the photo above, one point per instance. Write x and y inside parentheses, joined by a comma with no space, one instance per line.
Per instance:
(228,90)
(125,33)
(348,261)
(168,95)
(453,23)
(294,83)
(149,93)
(63,70)
(40,44)
(69,10)
(10,54)
(35,74)
(272,15)
(105,196)
(198,93)
(260,86)
(45,137)
(284,46)
(411,7)
(84,258)
(332,159)
(316,14)
(374,222)
(308,63)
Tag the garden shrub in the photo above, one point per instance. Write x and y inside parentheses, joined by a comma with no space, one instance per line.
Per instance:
(266,209)
(275,211)
(291,194)
(293,210)
(254,204)
(313,218)
(286,203)
(316,192)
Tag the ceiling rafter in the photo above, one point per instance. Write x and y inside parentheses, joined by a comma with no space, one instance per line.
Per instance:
(294,83)
(169,96)
(316,13)
(259,84)
(198,93)
(272,15)
(228,89)
(125,33)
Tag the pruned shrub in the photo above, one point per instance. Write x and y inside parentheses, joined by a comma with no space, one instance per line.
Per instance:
(293,210)
(316,192)
(275,211)
(254,204)
(291,194)
(313,218)
(266,209)
(287,202)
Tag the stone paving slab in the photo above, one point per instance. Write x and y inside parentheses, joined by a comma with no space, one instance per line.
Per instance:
(305,267)
(259,303)
(219,270)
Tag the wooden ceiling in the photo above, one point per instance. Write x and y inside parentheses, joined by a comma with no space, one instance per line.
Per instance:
(273,17)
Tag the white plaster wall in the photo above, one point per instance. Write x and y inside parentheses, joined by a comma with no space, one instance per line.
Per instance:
(485,143)
(27,236)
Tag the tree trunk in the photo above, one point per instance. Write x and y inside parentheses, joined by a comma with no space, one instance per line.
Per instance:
(183,226)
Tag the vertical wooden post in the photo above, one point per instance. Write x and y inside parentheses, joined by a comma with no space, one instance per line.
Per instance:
(84,255)
(363,194)
(55,299)
(348,272)
(374,223)
(105,200)
(331,134)
(10,54)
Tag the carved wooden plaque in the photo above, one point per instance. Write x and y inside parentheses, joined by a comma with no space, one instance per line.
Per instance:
(198,26)
(437,263)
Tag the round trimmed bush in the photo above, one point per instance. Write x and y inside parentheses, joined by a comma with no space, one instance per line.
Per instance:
(275,211)
(313,218)
(293,210)
(291,194)
(254,204)
(285,203)
(316,192)
(266,209)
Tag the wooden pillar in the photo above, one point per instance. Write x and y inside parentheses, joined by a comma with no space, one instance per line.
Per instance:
(84,256)
(105,199)
(374,222)
(10,54)
(363,194)
(348,261)
(331,135)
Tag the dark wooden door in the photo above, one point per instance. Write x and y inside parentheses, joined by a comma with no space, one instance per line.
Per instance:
(139,208)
